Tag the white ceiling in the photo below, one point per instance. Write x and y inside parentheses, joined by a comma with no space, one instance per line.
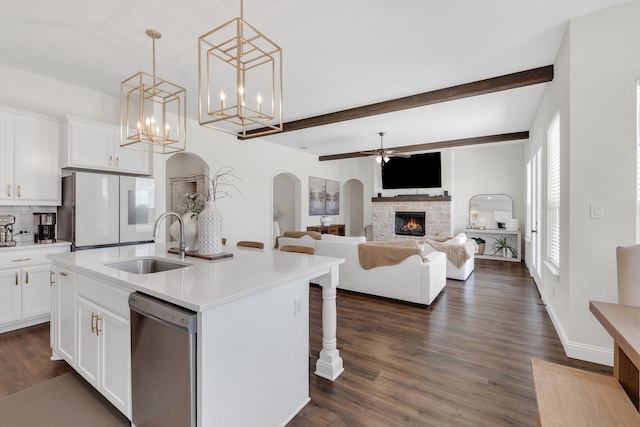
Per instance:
(337,55)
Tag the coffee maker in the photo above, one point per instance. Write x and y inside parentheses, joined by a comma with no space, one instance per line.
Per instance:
(44,226)
(6,230)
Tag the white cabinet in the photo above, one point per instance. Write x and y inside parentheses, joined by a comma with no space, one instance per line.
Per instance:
(103,341)
(89,144)
(25,286)
(25,293)
(29,148)
(63,317)
(10,296)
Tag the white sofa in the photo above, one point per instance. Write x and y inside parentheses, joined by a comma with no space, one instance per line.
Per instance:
(453,271)
(413,280)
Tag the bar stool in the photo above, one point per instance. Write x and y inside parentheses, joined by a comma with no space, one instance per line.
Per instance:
(298,249)
(250,244)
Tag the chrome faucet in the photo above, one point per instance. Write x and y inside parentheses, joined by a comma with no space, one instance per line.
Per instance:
(183,246)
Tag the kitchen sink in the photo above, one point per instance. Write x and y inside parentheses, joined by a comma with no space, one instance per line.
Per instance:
(147,265)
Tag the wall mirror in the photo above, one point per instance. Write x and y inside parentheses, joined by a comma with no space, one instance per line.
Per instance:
(490,211)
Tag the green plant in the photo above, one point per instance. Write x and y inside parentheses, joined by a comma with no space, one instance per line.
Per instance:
(193,203)
(503,243)
(479,240)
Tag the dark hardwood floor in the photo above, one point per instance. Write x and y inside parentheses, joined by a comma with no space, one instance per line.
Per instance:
(463,361)
(25,359)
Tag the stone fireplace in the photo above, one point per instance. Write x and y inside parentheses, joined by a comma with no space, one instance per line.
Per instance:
(436,210)
(410,223)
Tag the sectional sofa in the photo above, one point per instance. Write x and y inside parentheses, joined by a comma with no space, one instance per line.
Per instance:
(418,279)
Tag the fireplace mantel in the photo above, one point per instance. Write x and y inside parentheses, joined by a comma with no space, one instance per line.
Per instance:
(412,198)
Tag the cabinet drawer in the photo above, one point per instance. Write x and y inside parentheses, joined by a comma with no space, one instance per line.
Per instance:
(107,296)
(28,256)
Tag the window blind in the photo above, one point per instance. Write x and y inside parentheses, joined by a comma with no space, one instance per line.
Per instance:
(553,192)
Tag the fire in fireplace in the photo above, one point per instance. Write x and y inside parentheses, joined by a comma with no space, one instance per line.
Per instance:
(410,223)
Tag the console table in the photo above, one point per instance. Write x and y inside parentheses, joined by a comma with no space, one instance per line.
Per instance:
(336,229)
(489,234)
(622,322)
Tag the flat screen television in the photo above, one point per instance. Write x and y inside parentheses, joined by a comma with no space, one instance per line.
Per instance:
(417,171)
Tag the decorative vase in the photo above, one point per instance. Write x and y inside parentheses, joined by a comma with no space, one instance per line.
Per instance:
(325,220)
(210,230)
(480,248)
(190,231)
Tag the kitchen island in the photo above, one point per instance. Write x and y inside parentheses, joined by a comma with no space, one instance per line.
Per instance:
(253,333)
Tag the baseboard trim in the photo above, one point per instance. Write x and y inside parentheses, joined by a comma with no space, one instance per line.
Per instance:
(575,350)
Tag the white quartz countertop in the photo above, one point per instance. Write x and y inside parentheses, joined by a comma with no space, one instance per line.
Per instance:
(205,284)
(32,245)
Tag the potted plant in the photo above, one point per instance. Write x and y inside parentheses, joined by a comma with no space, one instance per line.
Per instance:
(481,242)
(502,245)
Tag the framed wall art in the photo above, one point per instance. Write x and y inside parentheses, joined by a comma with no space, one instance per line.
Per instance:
(324,196)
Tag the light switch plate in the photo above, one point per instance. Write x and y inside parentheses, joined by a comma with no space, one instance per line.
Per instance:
(597,211)
(297,306)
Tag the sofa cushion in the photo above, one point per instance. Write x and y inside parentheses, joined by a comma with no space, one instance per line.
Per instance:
(345,239)
(458,239)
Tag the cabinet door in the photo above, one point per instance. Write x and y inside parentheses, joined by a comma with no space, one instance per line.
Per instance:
(10,295)
(36,291)
(63,320)
(87,363)
(90,146)
(130,160)
(36,161)
(115,374)
(6,157)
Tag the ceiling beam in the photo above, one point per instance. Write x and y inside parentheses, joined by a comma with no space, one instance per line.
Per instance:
(514,136)
(480,87)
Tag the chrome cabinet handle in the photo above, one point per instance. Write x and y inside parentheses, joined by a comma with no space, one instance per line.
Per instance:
(17,279)
(110,160)
(51,277)
(98,330)
(19,192)
(27,278)
(93,328)
(9,190)
(20,259)
(118,161)
(63,273)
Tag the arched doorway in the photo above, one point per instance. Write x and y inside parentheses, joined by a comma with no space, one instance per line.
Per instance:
(185,173)
(286,195)
(353,203)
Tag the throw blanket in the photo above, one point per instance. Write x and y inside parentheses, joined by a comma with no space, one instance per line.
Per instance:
(376,254)
(457,254)
(297,234)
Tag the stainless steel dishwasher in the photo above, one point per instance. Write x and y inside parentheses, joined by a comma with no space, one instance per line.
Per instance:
(163,363)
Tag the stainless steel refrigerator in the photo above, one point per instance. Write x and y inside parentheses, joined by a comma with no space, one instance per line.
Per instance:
(100,210)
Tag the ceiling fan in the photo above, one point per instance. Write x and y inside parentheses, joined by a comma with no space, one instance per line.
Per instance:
(383,155)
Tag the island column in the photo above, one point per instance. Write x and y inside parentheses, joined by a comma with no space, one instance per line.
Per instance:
(329,364)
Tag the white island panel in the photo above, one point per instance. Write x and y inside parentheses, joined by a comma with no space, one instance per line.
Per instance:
(255,350)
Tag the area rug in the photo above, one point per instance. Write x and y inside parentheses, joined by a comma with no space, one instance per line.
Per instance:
(64,401)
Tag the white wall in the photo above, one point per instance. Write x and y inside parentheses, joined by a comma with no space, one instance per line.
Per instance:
(595,92)
(487,169)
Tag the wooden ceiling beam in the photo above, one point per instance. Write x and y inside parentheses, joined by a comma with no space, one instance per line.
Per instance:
(514,136)
(480,87)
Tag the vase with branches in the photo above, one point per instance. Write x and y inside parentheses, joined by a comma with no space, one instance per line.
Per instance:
(218,186)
